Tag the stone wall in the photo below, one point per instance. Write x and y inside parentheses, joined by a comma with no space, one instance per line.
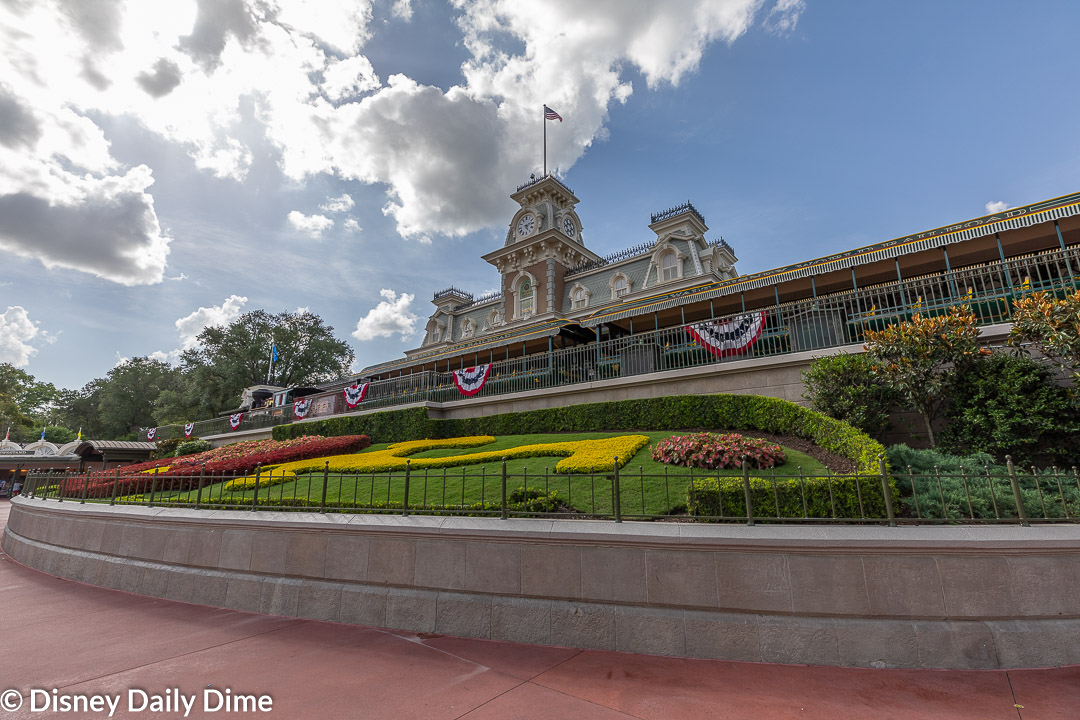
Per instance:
(954,597)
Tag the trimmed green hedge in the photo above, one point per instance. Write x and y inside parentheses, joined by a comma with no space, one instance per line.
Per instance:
(674,412)
(837,496)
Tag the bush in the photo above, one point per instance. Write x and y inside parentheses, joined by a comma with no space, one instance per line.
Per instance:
(923,462)
(190,447)
(845,387)
(1009,405)
(165,448)
(713,412)
(844,496)
(717,452)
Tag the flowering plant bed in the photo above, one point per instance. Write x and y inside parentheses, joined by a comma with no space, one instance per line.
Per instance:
(711,451)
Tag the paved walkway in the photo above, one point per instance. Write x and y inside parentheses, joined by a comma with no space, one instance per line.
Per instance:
(81,639)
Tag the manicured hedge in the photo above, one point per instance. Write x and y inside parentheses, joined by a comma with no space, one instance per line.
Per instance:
(675,412)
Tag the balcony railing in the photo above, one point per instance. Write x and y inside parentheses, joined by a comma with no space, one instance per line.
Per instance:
(820,323)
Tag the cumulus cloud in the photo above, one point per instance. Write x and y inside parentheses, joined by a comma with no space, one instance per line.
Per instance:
(199,73)
(312,225)
(191,325)
(352,225)
(17,331)
(390,317)
(996,206)
(343,203)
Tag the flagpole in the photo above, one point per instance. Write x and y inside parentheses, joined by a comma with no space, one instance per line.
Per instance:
(543,119)
(271,370)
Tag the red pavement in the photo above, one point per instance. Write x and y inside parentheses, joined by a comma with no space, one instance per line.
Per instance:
(86,640)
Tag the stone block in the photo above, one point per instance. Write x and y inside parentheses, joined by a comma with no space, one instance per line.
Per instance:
(391,562)
(154,581)
(722,636)
(493,568)
(957,645)
(613,574)
(210,590)
(439,564)
(235,551)
(413,610)
(346,557)
(243,594)
(976,587)
(280,597)
(205,545)
(683,578)
(1045,586)
(181,586)
(463,615)
(111,536)
(1034,643)
(521,620)
(828,585)
(899,586)
(798,641)
(178,545)
(269,549)
(876,643)
(362,605)
(319,601)
(656,631)
(755,582)
(583,625)
(551,571)
(306,555)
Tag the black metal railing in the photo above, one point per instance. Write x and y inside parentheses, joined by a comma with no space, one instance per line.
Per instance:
(672,212)
(827,321)
(1000,494)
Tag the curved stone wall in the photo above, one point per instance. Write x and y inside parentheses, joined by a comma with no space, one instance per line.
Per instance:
(953,597)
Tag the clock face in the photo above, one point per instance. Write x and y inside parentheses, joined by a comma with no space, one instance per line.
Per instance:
(525,225)
(568,227)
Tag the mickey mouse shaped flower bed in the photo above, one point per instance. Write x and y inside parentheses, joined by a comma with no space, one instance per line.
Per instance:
(713,451)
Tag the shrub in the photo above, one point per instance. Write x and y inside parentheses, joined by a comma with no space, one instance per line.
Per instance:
(845,387)
(165,448)
(715,452)
(714,412)
(845,496)
(923,462)
(190,447)
(1009,405)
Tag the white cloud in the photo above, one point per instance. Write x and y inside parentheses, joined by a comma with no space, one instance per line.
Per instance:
(352,225)
(390,317)
(17,331)
(343,203)
(784,16)
(348,78)
(402,9)
(996,206)
(312,225)
(191,325)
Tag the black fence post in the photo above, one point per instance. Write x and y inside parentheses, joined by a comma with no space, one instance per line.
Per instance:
(1016,492)
(115,485)
(198,494)
(153,487)
(746,491)
(886,493)
(85,487)
(325,481)
(60,487)
(255,495)
(405,502)
(617,495)
(504,515)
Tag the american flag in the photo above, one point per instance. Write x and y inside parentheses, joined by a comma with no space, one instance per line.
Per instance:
(550,114)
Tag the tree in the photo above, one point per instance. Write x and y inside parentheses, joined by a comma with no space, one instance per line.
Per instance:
(1052,325)
(127,396)
(920,357)
(79,409)
(25,403)
(229,359)
(845,387)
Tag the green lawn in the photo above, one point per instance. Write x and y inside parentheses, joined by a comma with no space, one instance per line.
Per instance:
(646,486)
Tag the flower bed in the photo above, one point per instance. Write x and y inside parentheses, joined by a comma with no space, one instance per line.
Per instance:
(712,451)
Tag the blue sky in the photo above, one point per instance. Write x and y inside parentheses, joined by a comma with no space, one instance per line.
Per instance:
(159,172)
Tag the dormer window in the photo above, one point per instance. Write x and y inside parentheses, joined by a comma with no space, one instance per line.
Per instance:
(525,299)
(669,266)
(579,297)
(622,287)
(467,328)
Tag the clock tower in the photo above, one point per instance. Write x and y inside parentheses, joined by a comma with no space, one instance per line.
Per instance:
(543,242)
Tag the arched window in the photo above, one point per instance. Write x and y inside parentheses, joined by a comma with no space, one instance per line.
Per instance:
(669,265)
(467,328)
(579,298)
(621,286)
(525,299)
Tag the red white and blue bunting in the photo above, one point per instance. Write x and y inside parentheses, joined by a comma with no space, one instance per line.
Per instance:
(151,433)
(471,380)
(728,337)
(188,429)
(300,407)
(354,395)
(234,420)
